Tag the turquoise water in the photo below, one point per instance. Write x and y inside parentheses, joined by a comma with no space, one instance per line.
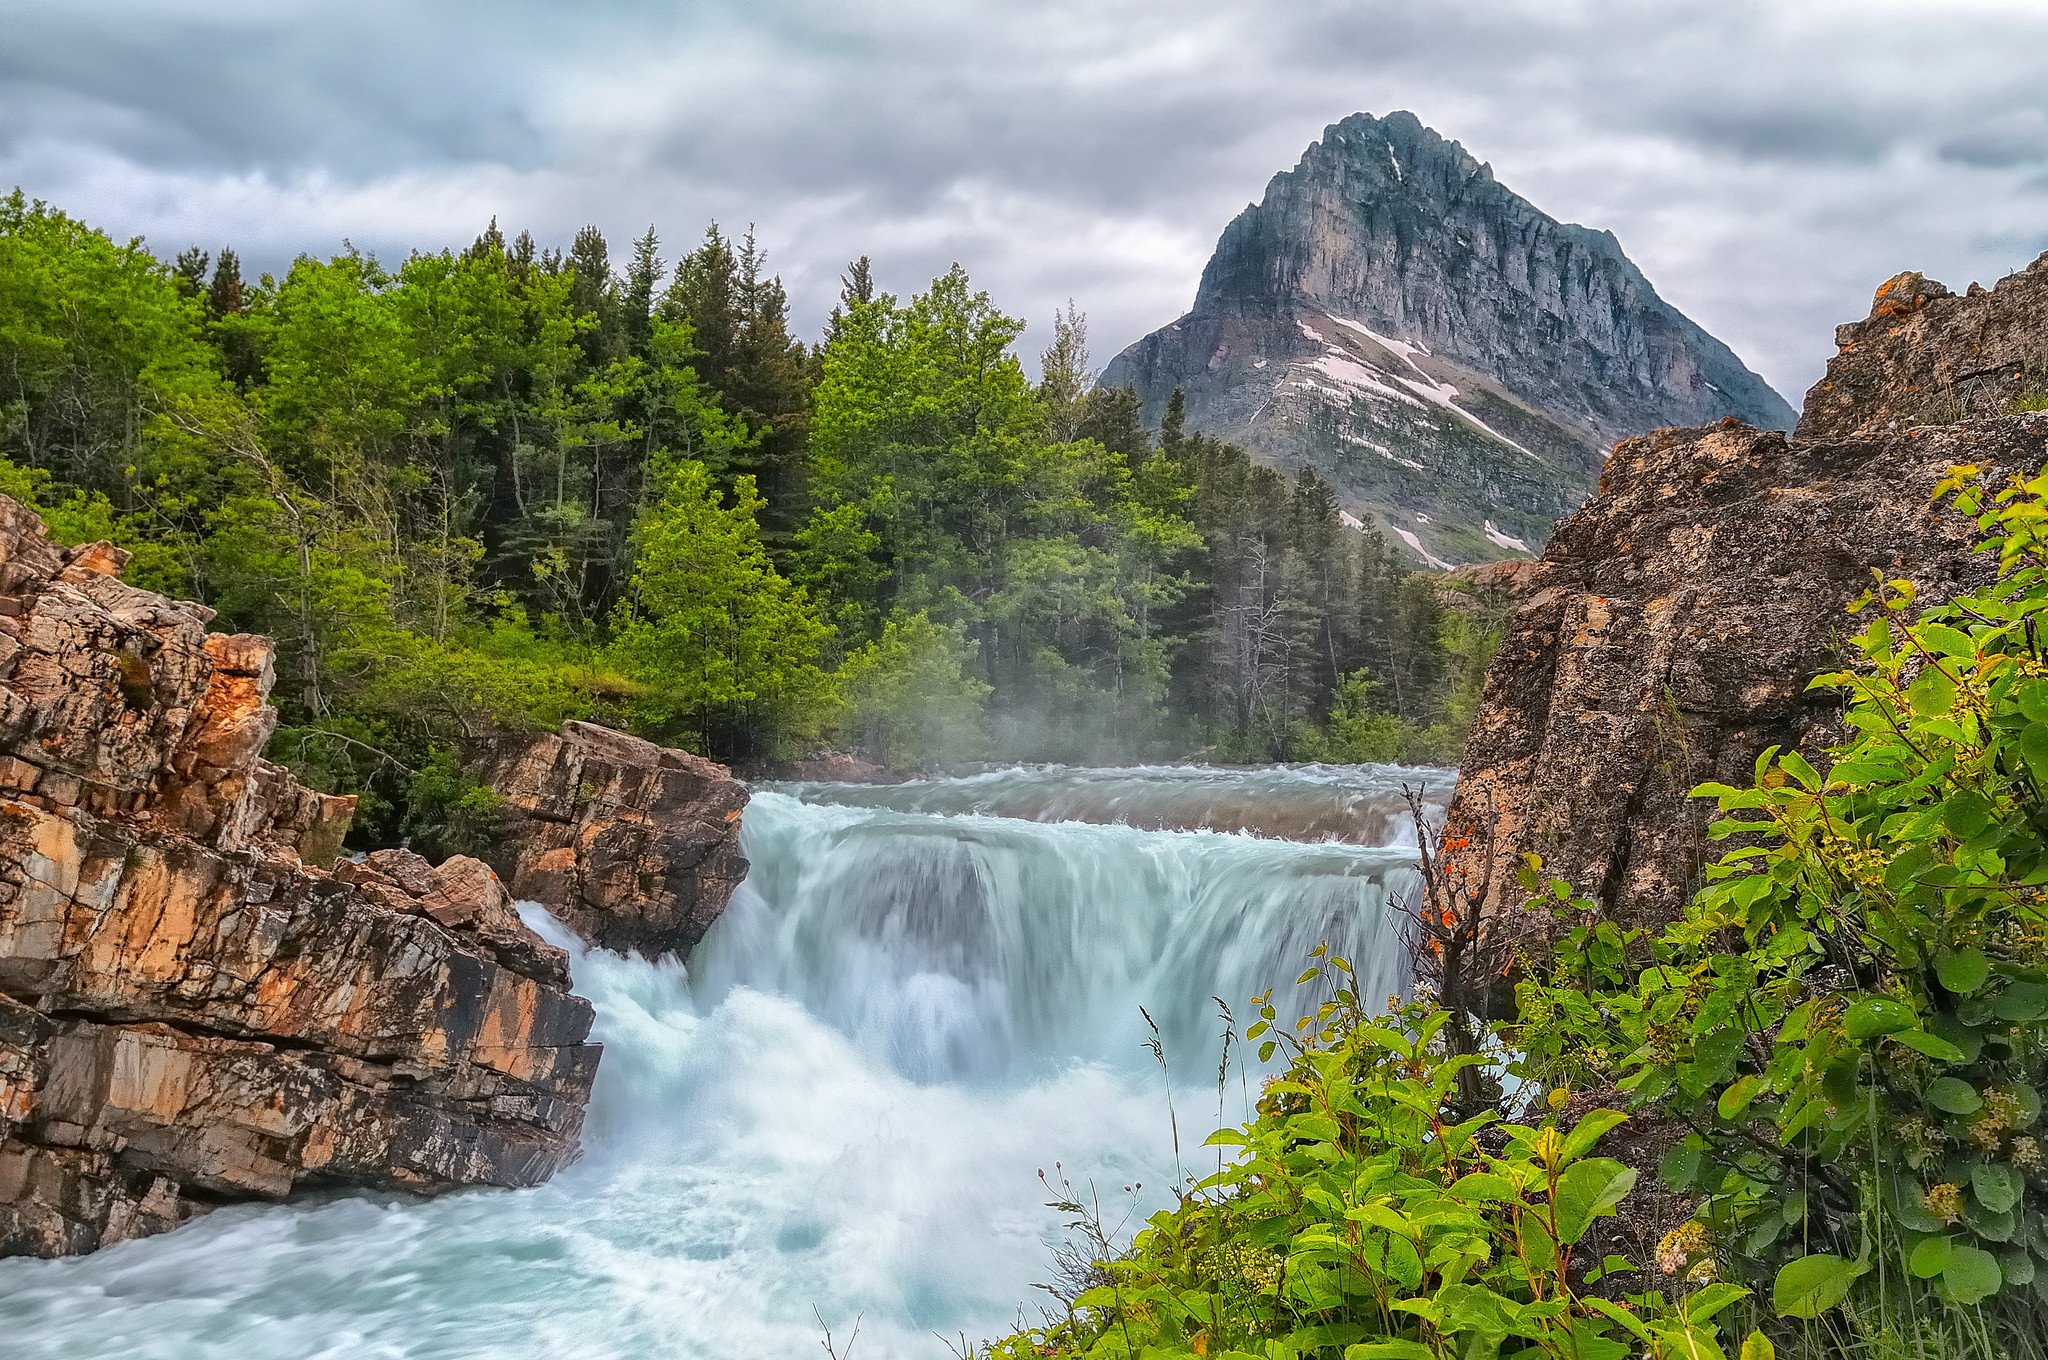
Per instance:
(838,1111)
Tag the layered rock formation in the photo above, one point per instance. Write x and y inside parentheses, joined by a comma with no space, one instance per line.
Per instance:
(192,1010)
(1677,618)
(1452,359)
(1927,357)
(633,846)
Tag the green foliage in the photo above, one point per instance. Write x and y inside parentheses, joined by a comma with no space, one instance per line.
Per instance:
(1848,1017)
(712,633)
(453,491)
(910,699)
(1366,1216)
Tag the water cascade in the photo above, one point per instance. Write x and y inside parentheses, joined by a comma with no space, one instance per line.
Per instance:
(923,993)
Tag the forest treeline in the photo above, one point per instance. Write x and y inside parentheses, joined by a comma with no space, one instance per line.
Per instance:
(498,487)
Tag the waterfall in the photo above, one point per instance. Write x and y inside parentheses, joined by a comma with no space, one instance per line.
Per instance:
(911,1006)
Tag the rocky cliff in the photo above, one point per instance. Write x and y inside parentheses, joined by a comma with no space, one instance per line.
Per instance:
(633,846)
(193,1009)
(1455,361)
(1676,619)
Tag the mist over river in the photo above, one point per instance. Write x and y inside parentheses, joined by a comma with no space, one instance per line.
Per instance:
(922,994)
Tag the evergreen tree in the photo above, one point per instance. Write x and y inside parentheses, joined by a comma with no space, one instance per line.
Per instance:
(190,271)
(637,296)
(1066,376)
(225,296)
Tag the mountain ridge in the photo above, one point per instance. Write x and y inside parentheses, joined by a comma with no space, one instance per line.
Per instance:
(1453,360)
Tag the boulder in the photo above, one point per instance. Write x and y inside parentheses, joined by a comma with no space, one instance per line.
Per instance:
(194,1009)
(1677,618)
(631,845)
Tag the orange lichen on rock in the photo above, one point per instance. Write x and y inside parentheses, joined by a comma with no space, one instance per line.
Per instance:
(193,1009)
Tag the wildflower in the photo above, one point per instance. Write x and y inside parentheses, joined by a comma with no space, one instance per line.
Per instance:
(1679,1246)
(1703,1273)
(1987,1134)
(1945,1202)
(2003,1106)
(2026,1154)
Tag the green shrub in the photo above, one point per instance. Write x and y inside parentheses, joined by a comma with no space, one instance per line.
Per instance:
(1848,1019)
(1363,1217)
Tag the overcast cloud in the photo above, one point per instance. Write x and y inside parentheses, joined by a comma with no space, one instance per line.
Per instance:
(1766,162)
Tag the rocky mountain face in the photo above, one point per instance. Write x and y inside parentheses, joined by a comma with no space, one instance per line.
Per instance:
(198,1005)
(1453,360)
(1676,619)
(632,845)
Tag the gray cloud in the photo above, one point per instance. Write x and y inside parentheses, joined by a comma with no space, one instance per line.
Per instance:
(1765,163)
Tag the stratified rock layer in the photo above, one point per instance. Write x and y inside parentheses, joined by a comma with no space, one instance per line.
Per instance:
(1927,357)
(1450,357)
(192,1010)
(631,845)
(1677,618)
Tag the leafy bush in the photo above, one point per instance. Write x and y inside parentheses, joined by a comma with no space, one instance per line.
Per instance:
(1364,1217)
(1847,1020)
(1841,1043)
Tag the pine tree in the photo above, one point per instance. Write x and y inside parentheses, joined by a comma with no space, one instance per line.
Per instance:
(636,299)
(1173,425)
(1066,377)
(856,287)
(225,296)
(189,273)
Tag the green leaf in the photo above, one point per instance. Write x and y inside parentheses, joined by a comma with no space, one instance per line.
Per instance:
(1678,1167)
(1967,813)
(1946,640)
(1483,1185)
(1757,1346)
(1933,1045)
(2021,1002)
(1997,1187)
(2033,744)
(1964,971)
(2016,1265)
(1811,1285)
(1711,1300)
(1737,1097)
(1589,1190)
(1930,1258)
(1878,1015)
(1389,1350)
(1954,1095)
(1971,1275)
(1931,693)
(1590,1130)
(1958,1032)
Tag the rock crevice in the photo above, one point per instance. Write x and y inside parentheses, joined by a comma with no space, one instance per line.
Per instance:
(1676,620)
(194,1007)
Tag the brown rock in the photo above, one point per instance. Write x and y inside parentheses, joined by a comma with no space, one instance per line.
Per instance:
(191,1011)
(1927,357)
(633,846)
(1678,617)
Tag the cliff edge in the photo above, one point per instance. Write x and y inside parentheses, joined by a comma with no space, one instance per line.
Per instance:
(1677,618)
(194,1009)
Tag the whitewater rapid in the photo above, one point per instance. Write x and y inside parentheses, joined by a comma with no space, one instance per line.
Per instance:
(839,1109)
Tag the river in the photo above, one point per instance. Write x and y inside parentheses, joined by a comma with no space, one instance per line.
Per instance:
(923,994)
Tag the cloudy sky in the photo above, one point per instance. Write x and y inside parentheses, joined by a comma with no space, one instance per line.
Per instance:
(1766,162)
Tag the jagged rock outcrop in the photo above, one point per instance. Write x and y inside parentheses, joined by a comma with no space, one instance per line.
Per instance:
(1451,358)
(1677,618)
(631,845)
(193,1010)
(1927,357)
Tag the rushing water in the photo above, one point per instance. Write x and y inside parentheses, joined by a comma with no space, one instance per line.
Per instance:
(909,1008)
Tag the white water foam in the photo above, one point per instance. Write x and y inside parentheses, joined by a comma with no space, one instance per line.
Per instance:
(899,1020)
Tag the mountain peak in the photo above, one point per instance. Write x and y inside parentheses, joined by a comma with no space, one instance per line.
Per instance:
(1454,360)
